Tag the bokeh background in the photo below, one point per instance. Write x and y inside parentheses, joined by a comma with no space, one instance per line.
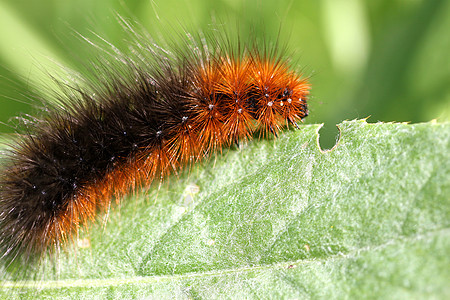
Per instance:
(387,59)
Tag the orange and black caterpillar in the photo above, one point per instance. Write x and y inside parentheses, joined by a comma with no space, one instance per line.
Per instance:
(141,117)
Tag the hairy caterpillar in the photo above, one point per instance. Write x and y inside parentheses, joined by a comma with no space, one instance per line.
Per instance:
(145,114)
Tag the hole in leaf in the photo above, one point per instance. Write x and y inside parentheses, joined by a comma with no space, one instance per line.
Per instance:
(328,136)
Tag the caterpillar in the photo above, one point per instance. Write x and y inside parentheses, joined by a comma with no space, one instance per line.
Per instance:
(140,116)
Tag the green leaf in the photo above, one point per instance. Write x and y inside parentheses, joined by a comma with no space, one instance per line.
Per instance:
(277,218)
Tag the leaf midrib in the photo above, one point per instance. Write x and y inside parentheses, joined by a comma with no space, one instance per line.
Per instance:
(90,283)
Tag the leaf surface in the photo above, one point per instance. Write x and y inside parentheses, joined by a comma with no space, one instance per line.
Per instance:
(277,218)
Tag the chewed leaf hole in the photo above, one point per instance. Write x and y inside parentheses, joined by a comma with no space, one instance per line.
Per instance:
(329,136)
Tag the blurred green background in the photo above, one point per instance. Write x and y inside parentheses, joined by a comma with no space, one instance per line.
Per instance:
(388,59)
